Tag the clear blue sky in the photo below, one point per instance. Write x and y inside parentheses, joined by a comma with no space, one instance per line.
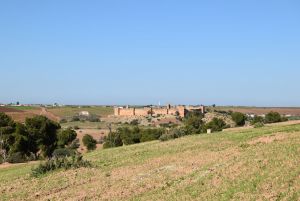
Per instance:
(142,52)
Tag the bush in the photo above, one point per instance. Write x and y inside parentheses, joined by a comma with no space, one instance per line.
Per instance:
(273,117)
(129,136)
(193,122)
(58,163)
(151,134)
(239,118)
(89,142)
(75,118)
(66,137)
(17,157)
(93,118)
(216,124)
(258,125)
(257,119)
(63,121)
(63,152)
(112,140)
(76,128)
(75,144)
(172,134)
(134,122)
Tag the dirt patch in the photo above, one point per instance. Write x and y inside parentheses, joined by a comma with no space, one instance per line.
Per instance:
(8,165)
(97,134)
(267,139)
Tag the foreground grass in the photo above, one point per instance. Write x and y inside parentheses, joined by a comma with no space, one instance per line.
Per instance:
(253,164)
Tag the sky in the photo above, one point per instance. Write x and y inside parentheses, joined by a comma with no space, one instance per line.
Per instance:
(232,52)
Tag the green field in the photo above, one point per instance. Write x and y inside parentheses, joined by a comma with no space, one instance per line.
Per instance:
(69,111)
(250,164)
(23,107)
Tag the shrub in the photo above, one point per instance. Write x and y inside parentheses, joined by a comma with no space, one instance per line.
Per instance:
(65,137)
(89,142)
(258,125)
(17,157)
(172,134)
(112,140)
(257,119)
(76,128)
(134,122)
(150,134)
(58,163)
(193,122)
(63,152)
(239,118)
(75,144)
(129,135)
(63,121)
(273,117)
(216,124)
(75,118)
(93,118)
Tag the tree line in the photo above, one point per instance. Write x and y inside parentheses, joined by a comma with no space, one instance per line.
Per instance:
(38,138)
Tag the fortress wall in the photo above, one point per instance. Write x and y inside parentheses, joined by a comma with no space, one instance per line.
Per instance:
(173,111)
(160,111)
(116,111)
(142,111)
(181,110)
(127,111)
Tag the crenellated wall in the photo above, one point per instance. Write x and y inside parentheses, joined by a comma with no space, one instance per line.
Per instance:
(181,110)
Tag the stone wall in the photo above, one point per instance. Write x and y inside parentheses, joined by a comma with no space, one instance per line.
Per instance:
(182,110)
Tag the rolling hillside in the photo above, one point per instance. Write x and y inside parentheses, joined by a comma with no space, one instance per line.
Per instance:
(249,164)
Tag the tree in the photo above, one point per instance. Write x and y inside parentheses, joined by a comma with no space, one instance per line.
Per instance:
(273,117)
(7,128)
(66,137)
(22,142)
(43,133)
(89,142)
(129,135)
(193,122)
(239,118)
(216,124)
(113,139)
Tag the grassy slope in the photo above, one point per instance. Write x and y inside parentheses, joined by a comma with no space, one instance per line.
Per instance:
(234,165)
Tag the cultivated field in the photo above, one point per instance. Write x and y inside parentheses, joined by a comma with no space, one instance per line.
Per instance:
(69,111)
(251,164)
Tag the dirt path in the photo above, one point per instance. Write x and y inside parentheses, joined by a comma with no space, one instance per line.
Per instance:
(48,114)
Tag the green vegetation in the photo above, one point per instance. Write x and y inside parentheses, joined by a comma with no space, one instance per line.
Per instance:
(274,117)
(23,107)
(216,125)
(257,119)
(246,164)
(89,142)
(59,163)
(37,138)
(131,135)
(239,118)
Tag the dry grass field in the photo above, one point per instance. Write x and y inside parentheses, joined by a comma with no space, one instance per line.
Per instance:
(295,111)
(251,164)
